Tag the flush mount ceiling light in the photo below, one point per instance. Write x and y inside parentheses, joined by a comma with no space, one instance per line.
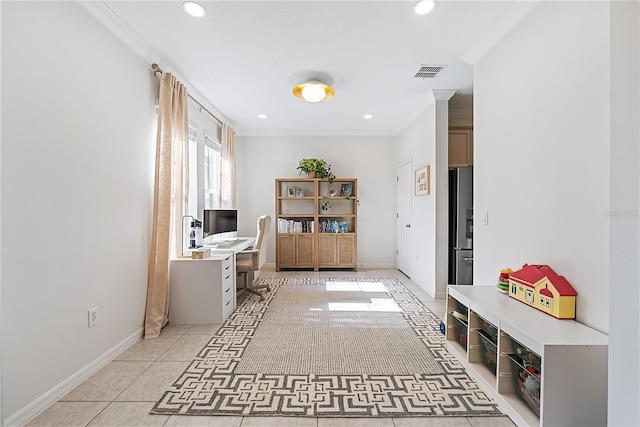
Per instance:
(313,91)
(194,9)
(425,6)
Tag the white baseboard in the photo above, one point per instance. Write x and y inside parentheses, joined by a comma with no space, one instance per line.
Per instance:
(39,405)
(272,266)
(373,266)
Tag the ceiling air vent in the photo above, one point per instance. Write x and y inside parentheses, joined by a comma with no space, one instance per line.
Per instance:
(429,71)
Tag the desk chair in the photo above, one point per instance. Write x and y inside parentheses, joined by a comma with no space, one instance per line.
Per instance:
(252,259)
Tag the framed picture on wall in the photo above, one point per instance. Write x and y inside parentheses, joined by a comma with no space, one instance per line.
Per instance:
(423,181)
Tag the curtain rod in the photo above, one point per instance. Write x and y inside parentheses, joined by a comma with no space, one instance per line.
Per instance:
(156,69)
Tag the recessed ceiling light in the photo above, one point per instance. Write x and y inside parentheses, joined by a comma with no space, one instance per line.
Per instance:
(262,116)
(194,9)
(425,6)
(368,116)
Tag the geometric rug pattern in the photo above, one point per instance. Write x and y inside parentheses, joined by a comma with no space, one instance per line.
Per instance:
(212,385)
(339,328)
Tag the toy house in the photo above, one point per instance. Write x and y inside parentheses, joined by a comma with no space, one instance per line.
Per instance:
(540,287)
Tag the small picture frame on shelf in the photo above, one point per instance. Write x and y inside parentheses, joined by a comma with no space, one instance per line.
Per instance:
(291,191)
(345,190)
(299,192)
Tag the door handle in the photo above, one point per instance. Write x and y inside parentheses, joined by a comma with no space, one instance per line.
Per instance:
(408,225)
(467,259)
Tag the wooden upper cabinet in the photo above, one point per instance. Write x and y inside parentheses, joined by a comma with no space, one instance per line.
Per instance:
(460,148)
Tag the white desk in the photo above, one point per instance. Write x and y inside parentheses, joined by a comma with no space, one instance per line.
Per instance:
(235,248)
(204,290)
(244,243)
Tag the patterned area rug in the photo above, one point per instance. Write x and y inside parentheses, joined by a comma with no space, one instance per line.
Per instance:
(312,348)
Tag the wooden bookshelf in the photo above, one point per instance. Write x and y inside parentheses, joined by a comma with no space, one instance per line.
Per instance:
(308,237)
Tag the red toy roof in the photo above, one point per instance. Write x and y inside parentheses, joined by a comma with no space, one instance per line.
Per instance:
(546,292)
(529,275)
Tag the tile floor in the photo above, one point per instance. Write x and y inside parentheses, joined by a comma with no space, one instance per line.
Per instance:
(123,392)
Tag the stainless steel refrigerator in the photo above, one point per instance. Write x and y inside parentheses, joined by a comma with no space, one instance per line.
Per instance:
(461,226)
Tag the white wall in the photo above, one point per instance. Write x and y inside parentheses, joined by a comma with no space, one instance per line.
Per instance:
(262,159)
(541,127)
(77,155)
(77,144)
(417,143)
(624,318)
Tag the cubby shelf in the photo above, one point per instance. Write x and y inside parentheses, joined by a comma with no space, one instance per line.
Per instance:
(573,379)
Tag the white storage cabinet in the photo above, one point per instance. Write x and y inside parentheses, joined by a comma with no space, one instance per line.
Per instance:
(202,290)
(573,374)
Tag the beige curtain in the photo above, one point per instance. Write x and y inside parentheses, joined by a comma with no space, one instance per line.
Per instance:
(228,169)
(169,202)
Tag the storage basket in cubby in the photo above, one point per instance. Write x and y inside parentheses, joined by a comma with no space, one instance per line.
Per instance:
(528,357)
(526,383)
(460,331)
(461,308)
(488,351)
(490,329)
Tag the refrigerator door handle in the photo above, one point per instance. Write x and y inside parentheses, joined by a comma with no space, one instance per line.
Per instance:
(467,259)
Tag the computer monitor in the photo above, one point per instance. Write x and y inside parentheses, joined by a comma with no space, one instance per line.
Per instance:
(218,221)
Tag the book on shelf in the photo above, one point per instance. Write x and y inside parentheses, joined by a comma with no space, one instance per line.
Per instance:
(295,226)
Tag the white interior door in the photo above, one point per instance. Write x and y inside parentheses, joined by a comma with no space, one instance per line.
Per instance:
(404,190)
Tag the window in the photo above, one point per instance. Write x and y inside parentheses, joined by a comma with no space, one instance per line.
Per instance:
(212,150)
(204,173)
(192,197)
(205,152)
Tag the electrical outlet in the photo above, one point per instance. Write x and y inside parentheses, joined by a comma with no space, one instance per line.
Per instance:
(93,316)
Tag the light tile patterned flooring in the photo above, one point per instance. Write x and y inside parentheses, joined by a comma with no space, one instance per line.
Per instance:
(123,392)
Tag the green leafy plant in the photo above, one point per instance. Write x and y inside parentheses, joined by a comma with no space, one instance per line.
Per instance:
(351,197)
(324,204)
(321,168)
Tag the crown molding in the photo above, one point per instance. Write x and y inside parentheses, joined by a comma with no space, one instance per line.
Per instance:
(502,27)
(241,132)
(106,17)
(115,25)
(443,94)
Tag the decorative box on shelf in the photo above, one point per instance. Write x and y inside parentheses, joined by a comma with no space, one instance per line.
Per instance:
(201,253)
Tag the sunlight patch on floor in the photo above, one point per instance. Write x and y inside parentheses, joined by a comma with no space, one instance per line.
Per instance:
(355,286)
(376,304)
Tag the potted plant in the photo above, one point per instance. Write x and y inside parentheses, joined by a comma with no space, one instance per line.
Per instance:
(316,168)
(324,204)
